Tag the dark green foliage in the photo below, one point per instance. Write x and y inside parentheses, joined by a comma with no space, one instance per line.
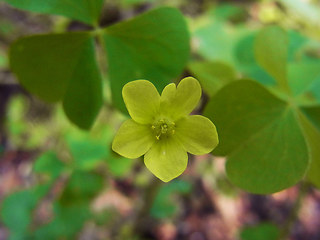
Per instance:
(68,221)
(17,210)
(48,163)
(87,11)
(61,67)
(212,75)
(164,206)
(81,188)
(149,47)
(265,131)
(270,138)
(263,231)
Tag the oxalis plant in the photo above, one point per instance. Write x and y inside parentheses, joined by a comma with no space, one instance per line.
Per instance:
(275,131)
(269,133)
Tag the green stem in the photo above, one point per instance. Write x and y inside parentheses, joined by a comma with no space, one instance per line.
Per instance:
(103,61)
(293,216)
(148,199)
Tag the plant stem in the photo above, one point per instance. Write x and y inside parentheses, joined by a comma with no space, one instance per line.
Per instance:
(148,199)
(293,216)
(102,58)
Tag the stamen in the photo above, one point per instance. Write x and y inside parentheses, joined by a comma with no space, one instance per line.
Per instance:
(163,128)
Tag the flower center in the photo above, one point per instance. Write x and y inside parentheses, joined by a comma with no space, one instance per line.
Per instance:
(163,128)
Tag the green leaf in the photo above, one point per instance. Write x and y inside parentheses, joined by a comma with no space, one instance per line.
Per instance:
(243,50)
(310,122)
(212,75)
(271,52)
(313,115)
(297,42)
(258,74)
(253,106)
(263,231)
(81,188)
(216,42)
(87,11)
(67,222)
(245,60)
(17,208)
(261,137)
(3,59)
(314,90)
(84,98)
(163,205)
(148,47)
(87,154)
(119,166)
(302,75)
(227,11)
(48,163)
(65,70)
(20,236)
(54,57)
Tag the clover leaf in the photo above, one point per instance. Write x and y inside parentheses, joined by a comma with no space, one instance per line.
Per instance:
(270,138)
(86,11)
(66,67)
(161,129)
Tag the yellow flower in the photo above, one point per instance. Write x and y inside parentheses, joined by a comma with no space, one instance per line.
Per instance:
(161,129)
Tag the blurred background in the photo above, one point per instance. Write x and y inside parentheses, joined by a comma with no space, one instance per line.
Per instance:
(58,182)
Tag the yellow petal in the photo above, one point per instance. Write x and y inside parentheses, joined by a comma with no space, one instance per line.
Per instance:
(197,134)
(142,100)
(133,139)
(166,159)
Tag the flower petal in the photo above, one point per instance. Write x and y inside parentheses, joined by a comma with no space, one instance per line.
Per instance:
(197,134)
(168,93)
(142,100)
(133,139)
(166,159)
(176,103)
